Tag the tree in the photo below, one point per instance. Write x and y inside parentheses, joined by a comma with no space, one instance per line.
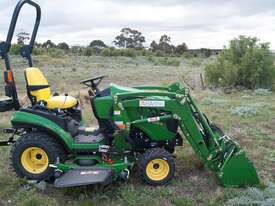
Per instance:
(164,45)
(245,63)
(154,46)
(181,48)
(206,52)
(48,44)
(63,46)
(130,38)
(79,50)
(98,44)
(164,39)
(37,45)
(22,37)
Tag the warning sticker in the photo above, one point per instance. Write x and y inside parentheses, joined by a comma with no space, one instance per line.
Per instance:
(153,119)
(90,172)
(117,112)
(151,103)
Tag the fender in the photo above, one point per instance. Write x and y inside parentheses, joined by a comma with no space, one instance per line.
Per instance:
(22,119)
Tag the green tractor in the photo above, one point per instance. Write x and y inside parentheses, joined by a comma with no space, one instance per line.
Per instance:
(136,126)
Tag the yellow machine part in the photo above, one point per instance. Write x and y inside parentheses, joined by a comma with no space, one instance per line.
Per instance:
(62,102)
(34,160)
(157,169)
(35,77)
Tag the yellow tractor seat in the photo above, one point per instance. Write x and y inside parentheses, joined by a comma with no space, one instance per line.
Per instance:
(62,102)
(39,90)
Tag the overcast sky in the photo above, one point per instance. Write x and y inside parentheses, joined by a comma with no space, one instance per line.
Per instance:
(199,23)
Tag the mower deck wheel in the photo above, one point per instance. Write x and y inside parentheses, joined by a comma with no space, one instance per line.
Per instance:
(156,166)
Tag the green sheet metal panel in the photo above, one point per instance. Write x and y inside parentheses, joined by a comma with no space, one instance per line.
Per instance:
(104,106)
(35,120)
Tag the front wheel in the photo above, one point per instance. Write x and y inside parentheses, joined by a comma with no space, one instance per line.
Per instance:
(32,154)
(156,166)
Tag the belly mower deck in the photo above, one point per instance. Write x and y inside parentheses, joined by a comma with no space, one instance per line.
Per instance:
(85,176)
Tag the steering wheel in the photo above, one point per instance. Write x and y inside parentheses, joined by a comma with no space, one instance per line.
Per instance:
(93,82)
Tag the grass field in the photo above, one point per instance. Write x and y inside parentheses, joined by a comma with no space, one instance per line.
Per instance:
(246,116)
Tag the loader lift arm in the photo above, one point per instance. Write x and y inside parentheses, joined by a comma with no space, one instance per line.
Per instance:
(219,153)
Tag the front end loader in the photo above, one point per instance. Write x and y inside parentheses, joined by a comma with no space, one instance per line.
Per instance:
(136,126)
(150,107)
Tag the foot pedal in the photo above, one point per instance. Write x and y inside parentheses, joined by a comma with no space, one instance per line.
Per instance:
(84,176)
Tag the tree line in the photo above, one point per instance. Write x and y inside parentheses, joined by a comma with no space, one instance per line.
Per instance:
(129,42)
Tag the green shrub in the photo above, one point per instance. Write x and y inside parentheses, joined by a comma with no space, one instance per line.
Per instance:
(91,51)
(150,59)
(115,52)
(160,53)
(128,52)
(169,61)
(77,50)
(105,52)
(88,51)
(39,51)
(195,62)
(244,111)
(108,52)
(204,53)
(56,53)
(248,110)
(262,92)
(166,61)
(15,49)
(246,63)
(146,52)
(187,55)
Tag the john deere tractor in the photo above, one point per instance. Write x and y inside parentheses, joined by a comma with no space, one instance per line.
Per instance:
(136,126)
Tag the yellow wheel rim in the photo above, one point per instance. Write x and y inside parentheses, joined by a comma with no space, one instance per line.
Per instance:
(157,169)
(35,160)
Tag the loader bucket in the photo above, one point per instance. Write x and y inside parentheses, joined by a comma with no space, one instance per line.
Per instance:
(237,170)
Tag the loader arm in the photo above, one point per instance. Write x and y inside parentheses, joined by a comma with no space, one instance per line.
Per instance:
(225,156)
(152,88)
(219,153)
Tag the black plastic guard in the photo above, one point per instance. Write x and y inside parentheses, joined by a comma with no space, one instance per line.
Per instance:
(6,105)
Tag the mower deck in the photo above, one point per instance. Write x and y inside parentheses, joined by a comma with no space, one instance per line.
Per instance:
(84,176)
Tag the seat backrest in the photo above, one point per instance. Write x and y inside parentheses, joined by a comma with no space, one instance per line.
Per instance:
(38,87)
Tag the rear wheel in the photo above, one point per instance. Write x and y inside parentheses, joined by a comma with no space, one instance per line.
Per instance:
(156,166)
(32,154)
